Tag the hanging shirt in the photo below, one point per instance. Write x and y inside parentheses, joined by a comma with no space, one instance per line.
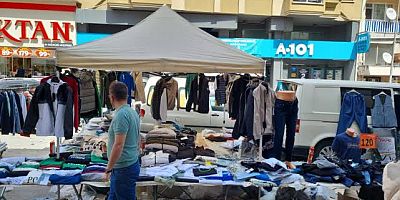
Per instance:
(22,99)
(126,78)
(347,147)
(164,106)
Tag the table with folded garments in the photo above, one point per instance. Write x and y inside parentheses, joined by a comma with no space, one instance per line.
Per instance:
(175,156)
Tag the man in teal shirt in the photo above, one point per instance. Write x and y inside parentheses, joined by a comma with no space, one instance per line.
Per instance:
(123,146)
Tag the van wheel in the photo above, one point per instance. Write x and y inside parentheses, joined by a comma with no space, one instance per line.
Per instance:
(324,148)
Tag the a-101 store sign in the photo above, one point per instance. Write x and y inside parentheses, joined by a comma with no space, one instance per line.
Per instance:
(20,32)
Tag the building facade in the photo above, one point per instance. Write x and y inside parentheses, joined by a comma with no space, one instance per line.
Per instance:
(319,26)
(372,67)
(30,31)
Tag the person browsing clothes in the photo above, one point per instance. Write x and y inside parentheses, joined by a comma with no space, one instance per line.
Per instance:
(123,148)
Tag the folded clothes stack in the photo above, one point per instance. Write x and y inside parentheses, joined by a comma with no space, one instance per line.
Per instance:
(51,163)
(72,166)
(155,158)
(79,159)
(94,172)
(27,166)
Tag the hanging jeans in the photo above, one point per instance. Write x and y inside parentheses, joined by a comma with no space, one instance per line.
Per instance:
(285,115)
(353,108)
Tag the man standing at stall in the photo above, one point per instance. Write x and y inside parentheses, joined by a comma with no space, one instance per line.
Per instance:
(123,146)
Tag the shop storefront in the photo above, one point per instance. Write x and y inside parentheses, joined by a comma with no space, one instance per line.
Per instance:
(302,58)
(30,33)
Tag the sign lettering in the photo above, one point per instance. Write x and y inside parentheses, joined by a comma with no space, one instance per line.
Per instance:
(22,30)
(295,49)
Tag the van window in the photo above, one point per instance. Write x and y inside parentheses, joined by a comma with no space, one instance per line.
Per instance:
(150,95)
(368,95)
(324,101)
(214,106)
(182,98)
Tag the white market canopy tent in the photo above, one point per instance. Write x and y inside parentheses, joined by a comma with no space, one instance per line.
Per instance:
(163,42)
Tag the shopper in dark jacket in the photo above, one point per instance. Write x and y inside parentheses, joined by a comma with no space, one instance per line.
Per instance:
(47,119)
(199,95)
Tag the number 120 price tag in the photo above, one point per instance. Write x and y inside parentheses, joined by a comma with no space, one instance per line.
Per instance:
(368,141)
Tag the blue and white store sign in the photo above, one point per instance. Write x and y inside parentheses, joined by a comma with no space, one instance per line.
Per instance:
(267,48)
(295,49)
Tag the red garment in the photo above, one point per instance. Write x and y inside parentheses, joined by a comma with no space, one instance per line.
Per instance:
(75,89)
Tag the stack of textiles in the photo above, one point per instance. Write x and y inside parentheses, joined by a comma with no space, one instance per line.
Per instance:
(94,172)
(79,159)
(324,170)
(27,166)
(72,166)
(157,158)
(162,139)
(51,163)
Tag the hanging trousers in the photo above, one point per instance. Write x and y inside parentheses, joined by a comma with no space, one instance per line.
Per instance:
(285,114)
(353,108)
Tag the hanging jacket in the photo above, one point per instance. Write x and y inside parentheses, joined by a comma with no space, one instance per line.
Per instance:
(19,107)
(172,93)
(156,98)
(139,91)
(126,78)
(264,101)
(238,88)
(17,122)
(199,95)
(12,111)
(23,106)
(74,84)
(220,91)
(161,102)
(6,125)
(383,115)
(246,127)
(188,84)
(50,111)
(107,79)
(87,95)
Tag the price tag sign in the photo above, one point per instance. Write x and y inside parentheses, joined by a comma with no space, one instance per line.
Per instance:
(6,52)
(368,141)
(24,52)
(42,53)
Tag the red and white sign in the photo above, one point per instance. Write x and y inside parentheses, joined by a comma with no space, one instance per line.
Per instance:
(42,53)
(17,32)
(24,52)
(22,30)
(6,52)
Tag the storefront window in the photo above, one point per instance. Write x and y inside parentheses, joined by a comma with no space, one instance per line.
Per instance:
(9,66)
(313,72)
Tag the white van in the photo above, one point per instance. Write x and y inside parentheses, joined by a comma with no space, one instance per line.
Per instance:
(319,108)
(214,119)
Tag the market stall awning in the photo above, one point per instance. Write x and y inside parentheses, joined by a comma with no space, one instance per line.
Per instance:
(163,42)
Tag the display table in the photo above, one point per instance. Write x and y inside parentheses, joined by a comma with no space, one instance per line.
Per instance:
(156,186)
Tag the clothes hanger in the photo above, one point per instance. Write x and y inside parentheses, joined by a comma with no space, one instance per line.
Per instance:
(353,90)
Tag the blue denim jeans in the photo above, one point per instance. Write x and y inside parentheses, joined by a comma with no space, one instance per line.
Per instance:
(286,113)
(123,182)
(353,109)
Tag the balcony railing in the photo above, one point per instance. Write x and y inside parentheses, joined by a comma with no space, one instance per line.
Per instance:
(381,26)
(308,1)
